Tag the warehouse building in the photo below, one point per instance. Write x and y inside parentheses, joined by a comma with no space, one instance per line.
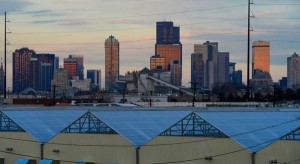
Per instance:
(111,135)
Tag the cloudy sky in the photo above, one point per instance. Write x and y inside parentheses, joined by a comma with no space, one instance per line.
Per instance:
(80,27)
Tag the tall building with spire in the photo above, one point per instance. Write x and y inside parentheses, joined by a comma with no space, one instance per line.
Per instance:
(112,55)
(169,48)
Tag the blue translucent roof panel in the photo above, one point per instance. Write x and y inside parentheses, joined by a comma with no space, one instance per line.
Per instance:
(22,161)
(44,124)
(139,127)
(253,130)
(45,162)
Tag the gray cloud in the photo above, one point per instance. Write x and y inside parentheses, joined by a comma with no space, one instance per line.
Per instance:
(14,5)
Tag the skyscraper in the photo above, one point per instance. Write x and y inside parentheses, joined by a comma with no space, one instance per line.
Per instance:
(168,46)
(56,63)
(176,73)
(34,73)
(197,69)
(21,59)
(223,67)
(166,33)
(293,71)
(70,65)
(80,67)
(261,56)
(46,75)
(209,51)
(112,52)
(95,76)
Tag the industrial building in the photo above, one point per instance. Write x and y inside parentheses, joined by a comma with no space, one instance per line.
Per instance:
(134,135)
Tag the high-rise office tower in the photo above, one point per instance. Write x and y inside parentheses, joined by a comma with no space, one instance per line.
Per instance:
(169,47)
(231,70)
(21,73)
(34,73)
(1,79)
(70,65)
(261,56)
(293,71)
(56,63)
(197,69)
(112,55)
(46,75)
(209,50)
(223,67)
(46,71)
(80,67)
(95,76)
(166,33)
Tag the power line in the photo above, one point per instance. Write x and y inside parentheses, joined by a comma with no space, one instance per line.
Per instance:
(218,155)
(36,157)
(131,16)
(121,29)
(291,161)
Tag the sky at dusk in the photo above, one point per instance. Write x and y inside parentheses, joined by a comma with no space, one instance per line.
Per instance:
(80,27)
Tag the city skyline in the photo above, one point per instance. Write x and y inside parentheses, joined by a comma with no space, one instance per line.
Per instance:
(55,31)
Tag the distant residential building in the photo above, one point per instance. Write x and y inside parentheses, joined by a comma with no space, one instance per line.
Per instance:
(95,76)
(21,69)
(293,71)
(1,79)
(112,55)
(261,81)
(223,67)
(70,65)
(157,63)
(60,80)
(82,85)
(197,69)
(260,56)
(169,47)
(283,83)
(237,77)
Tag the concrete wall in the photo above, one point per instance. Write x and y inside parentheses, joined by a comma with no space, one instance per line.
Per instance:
(282,150)
(19,147)
(98,154)
(187,151)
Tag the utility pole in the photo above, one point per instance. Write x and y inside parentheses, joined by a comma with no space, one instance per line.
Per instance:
(194,91)
(5,55)
(53,96)
(248,52)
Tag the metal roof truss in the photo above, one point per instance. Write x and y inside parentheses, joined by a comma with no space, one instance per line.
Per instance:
(8,124)
(88,123)
(193,125)
(294,135)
